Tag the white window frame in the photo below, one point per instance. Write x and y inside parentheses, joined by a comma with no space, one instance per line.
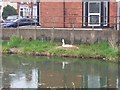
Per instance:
(84,17)
(106,14)
(99,14)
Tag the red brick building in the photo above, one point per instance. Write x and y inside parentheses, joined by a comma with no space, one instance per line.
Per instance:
(82,13)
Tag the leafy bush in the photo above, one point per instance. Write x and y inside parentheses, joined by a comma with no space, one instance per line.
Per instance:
(8,10)
(14,42)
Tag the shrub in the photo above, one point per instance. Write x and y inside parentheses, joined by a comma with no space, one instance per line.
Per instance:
(14,42)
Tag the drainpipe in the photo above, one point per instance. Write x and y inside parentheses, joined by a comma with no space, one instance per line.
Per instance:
(0,16)
(38,12)
(118,14)
(64,13)
(31,9)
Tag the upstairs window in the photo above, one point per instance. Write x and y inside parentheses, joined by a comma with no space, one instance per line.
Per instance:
(95,13)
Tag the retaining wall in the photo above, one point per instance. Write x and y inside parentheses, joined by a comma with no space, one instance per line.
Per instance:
(70,36)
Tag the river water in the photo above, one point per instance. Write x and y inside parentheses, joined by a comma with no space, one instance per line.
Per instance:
(43,72)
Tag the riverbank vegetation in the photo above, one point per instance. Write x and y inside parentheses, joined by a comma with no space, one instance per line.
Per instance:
(100,50)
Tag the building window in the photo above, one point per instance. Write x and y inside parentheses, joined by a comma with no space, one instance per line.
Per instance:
(94,7)
(21,12)
(94,10)
(95,13)
(105,13)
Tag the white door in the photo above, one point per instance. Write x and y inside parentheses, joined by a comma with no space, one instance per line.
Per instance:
(94,13)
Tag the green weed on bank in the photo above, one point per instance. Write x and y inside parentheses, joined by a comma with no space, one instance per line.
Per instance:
(102,49)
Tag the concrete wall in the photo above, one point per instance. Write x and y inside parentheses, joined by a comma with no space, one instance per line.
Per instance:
(70,36)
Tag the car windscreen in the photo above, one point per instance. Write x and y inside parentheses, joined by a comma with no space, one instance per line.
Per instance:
(11,17)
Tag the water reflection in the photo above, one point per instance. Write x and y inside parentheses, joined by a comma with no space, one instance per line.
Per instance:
(26,80)
(24,72)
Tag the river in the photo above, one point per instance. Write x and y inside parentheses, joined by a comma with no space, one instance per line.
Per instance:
(45,72)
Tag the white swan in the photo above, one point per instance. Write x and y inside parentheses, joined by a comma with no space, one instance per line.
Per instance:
(66,45)
(63,64)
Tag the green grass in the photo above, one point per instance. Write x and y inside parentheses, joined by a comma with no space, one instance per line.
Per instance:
(102,49)
(99,49)
(37,46)
(85,50)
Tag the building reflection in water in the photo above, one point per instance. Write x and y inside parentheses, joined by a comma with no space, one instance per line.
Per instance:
(67,76)
(25,80)
(49,74)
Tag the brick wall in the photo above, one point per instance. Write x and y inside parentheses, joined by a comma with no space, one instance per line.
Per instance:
(73,14)
(112,13)
(18,7)
(69,12)
(56,13)
(51,14)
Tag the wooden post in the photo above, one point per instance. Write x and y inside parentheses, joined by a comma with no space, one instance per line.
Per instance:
(52,31)
(18,31)
(72,34)
(92,27)
(114,23)
(35,32)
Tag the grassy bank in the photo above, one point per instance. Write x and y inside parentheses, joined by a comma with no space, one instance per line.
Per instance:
(98,50)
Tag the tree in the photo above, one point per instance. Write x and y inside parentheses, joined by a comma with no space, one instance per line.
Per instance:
(8,10)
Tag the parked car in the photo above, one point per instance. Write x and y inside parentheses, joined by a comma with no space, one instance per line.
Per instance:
(12,18)
(20,22)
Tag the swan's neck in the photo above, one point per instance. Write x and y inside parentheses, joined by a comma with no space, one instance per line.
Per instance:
(63,42)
